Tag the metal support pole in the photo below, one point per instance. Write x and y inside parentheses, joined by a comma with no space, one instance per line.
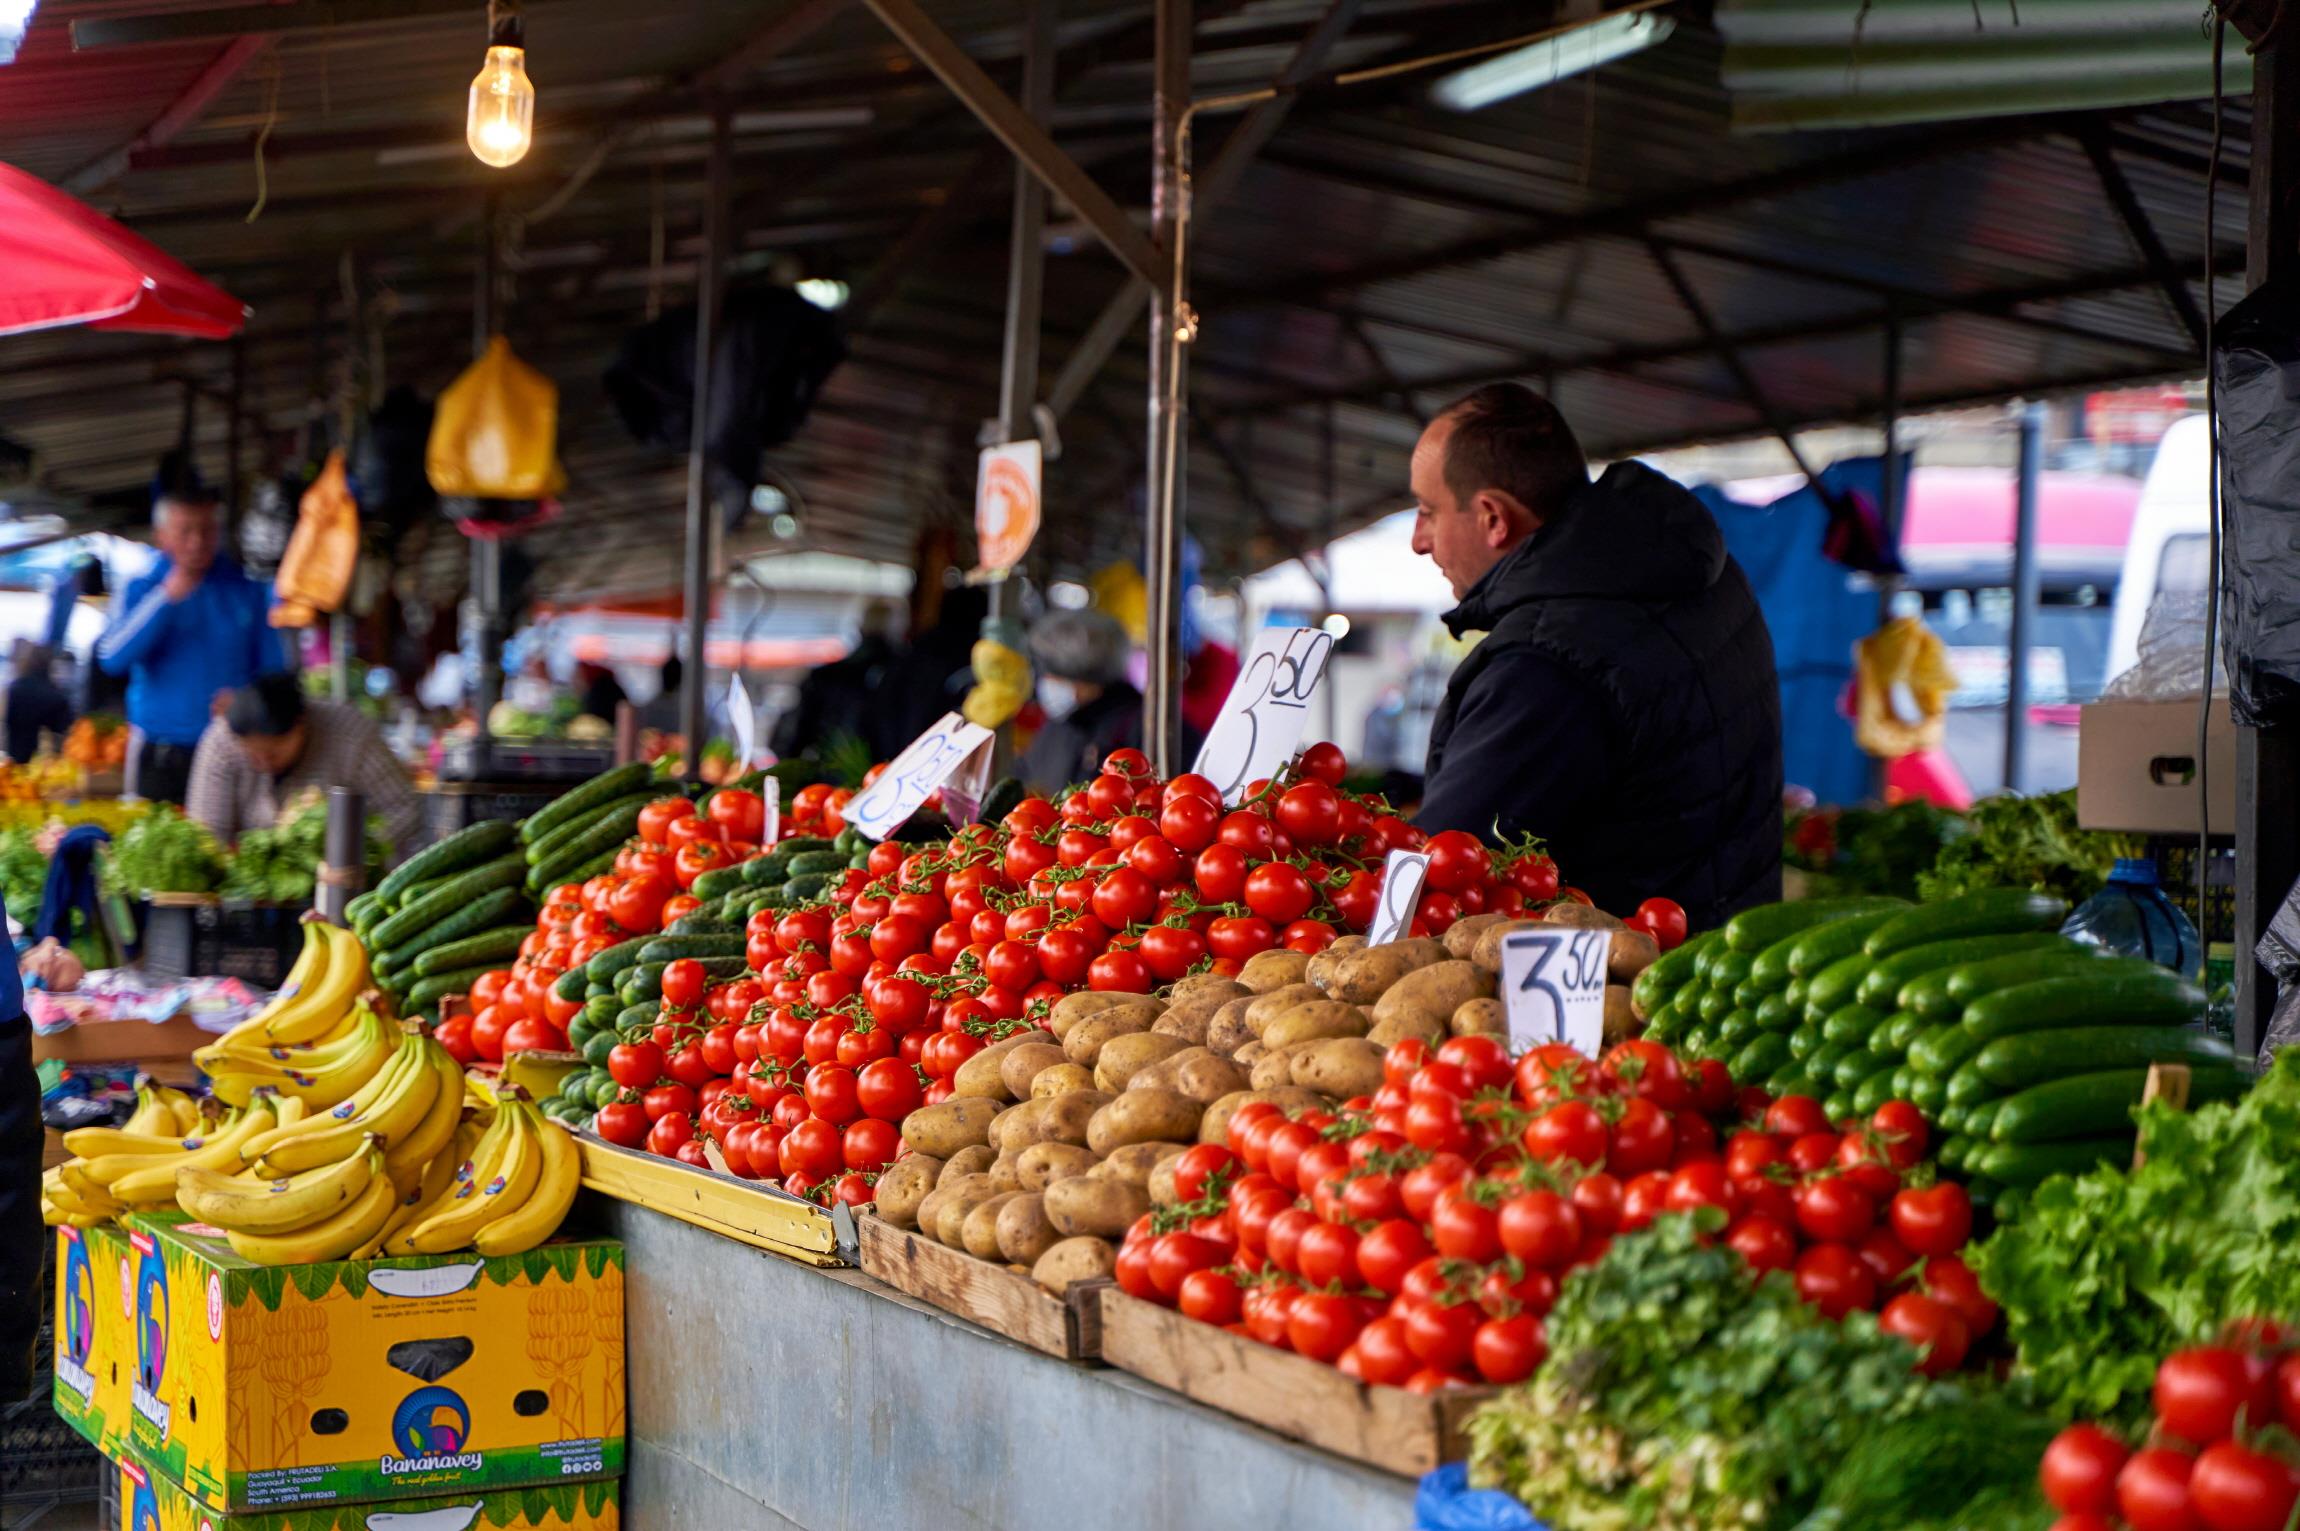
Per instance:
(1025,255)
(2024,594)
(1169,378)
(699,517)
(2267,824)
(343,864)
(486,557)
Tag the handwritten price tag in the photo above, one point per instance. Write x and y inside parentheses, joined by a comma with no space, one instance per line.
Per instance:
(1262,718)
(1402,877)
(912,777)
(1553,987)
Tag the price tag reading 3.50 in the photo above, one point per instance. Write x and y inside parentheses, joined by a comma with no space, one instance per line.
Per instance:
(1402,876)
(1553,986)
(925,763)
(1263,717)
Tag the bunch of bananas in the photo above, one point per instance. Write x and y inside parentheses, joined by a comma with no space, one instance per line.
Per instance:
(85,1189)
(316,1042)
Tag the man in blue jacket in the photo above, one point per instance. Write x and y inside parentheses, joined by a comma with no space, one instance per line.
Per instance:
(1622,704)
(192,627)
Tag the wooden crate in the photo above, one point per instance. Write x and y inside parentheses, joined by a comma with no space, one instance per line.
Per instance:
(994,1296)
(1383,1427)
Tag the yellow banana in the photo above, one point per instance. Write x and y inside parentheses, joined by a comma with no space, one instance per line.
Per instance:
(332,1237)
(152,1118)
(470,1201)
(537,1218)
(322,1004)
(319,1121)
(185,1109)
(481,1096)
(287,1008)
(408,1157)
(389,1115)
(94,1142)
(90,1193)
(276,1206)
(156,1180)
(321,1088)
(437,1178)
(68,1198)
(106,1168)
(304,1057)
(289,1110)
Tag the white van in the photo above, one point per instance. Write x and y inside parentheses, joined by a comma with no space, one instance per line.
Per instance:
(2170,550)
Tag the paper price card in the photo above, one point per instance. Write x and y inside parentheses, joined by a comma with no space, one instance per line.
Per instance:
(1263,717)
(912,777)
(1553,987)
(1402,876)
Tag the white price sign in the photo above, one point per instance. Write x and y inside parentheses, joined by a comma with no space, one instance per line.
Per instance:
(912,777)
(1263,717)
(1553,986)
(1402,877)
(771,824)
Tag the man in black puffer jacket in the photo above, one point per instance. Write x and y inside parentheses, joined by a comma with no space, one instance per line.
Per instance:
(1623,704)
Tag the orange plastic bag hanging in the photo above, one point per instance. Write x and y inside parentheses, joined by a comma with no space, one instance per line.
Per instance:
(315,572)
(495,434)
(1902,684)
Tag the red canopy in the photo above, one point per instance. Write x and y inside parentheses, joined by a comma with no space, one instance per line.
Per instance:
(62,262)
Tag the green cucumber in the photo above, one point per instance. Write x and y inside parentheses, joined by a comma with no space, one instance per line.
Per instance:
(1902,1031)
(598,1045)
(1990,912)
(1672,970)
(1836,986)
(2155,998)
(500,944)
(568,987)
(642,984)
(551,861)
(1666,1023)
(1714,1005)
(1953,1118)
(1793,1081)
(1963,985)
(718,882)
(610,964)
(1853,1023)
(1759,1058)
(1980,1116)
(808,862)
(2087,1105)
(601,789)
(1858,1065)
(601,1009)
(1737,1029)
(1804,1041)
(1953,1150)
(490,908)
(457,893)
(1821,1062)
(2010,1203)
(2017,1062)
(1836,940)
(365,908)
(800,845)
(2026,1165)
(1883,985)
(1924,1092)
(1754,930)
(1943,1049)
(1748,994)
(1967,1086)
(638,1016)
(582,1029)
(1796,994)
(1775,1013)
(672,948)
(1730,970)
(1837,1104)
(1903,1078)
(1694,1041)
(472,846)
(809,888)
(605,1094)
(769,871)
(701,924)
(439,985)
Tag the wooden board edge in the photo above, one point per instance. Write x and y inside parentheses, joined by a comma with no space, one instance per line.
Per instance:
(751,1213)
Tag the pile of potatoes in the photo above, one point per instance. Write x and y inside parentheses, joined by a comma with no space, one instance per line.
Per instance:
(1054,1142)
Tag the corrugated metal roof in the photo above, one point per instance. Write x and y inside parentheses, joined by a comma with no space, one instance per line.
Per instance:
(1382,255)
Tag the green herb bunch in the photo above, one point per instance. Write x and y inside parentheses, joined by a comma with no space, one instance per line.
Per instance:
(164,852)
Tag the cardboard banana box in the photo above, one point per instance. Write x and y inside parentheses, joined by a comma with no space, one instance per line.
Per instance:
(151,1501)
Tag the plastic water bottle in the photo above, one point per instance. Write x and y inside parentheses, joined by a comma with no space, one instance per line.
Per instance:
(2131,915)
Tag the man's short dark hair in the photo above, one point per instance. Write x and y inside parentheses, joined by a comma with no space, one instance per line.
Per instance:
(1507,437)
(268,707)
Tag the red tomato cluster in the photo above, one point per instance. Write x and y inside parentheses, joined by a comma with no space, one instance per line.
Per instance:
(816,810)
(2220,1457)
(1417,1238)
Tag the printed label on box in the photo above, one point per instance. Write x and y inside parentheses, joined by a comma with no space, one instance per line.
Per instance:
(152,1501)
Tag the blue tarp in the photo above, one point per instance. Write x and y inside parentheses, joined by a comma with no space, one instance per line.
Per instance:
(1817,610)
(1446,1502)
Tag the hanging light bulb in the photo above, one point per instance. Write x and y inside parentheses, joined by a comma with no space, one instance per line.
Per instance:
(500,126)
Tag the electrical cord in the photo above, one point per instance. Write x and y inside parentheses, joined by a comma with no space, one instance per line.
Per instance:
(2212,500)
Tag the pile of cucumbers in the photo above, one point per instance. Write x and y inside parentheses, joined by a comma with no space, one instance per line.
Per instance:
(2028,1050)
(446,915)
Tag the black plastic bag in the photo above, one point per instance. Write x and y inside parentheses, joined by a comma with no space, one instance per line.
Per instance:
(2257,365)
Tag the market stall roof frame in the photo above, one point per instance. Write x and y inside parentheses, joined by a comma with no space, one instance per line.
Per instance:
(1379,254)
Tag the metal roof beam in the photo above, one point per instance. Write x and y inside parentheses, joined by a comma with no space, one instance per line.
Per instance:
(190,105)
(2118,189)
(241,20)
(1730,355)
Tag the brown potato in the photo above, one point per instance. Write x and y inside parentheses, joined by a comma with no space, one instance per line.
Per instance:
(953,1202)
(1136,1163)
(1273,969)
(1123,1057)
(1084,1044)
(978,1235)
(1460,938)
(1022,1066)
(1294,1100)
(1419,1024)
(1204,985)
(1189,1016)
(1092,1204)
(1163,1191)
(1142,1116)
(979,1075)
(1365,976)
(1023,1232)
(1580,916)
(1074,1260)
(1276,1066)
(1197,1072)
(1480,1018)
(1051,1119)
(1320,970)
(1437,991)
(1630,953)
(1249,1055)
(1070,1009)
(973,1160)
(903,1185)
(1214,1126)
(929,1209)
(1060,1080)
(1041,1164)
(1621,1022)
(1006,1173)
(1314,1021)
(1265,1008)
(1228,1031)
(1340,1067)
(1487,954)
(960,1122)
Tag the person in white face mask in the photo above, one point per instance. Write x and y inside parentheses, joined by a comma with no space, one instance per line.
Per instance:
(1091,708)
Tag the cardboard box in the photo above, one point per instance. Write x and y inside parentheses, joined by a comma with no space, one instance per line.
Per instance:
(261,1387)
(2136,767)
(152,1501)
(95,1333)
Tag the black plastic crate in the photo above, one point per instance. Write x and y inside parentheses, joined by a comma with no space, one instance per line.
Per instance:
(447,809)
(43,1461)
(255,943)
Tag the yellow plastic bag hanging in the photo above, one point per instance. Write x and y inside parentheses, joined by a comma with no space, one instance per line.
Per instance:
(495,434)
(1001,684)
(1902,682)
(315,572)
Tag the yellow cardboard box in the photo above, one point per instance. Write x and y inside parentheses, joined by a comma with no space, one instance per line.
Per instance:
(95,1332)
(261,1387)
(152,1501)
